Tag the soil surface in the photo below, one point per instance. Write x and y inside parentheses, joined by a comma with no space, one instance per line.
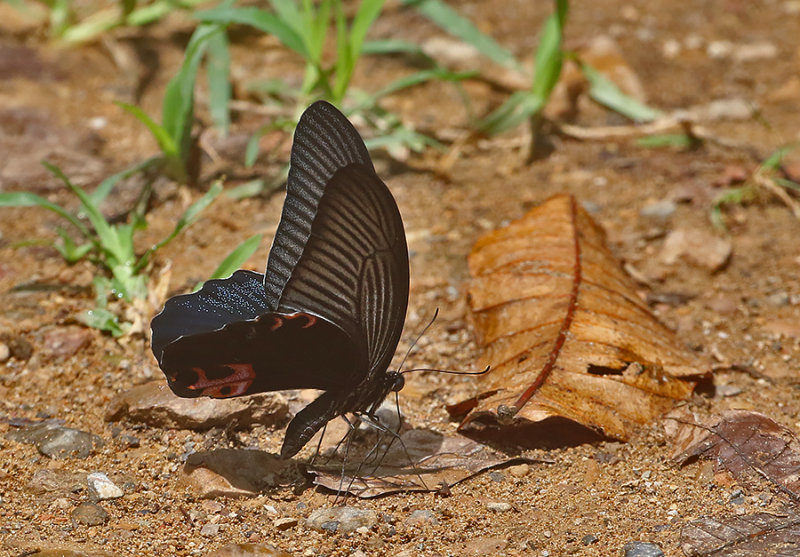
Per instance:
(743,314)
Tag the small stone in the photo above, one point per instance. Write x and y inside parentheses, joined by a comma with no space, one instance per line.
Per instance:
(282,524)
(89,514)
(247,550)
(519,470)
(486,546)
(57,442)
(498,506)
(698,246)
(641,549)
(209,530)
(102,488)
(5,352)
(20,348)
(778,299)
(755,51)
(727,390)
(589,539)
(783,328)
(342,519)
(156,405)
(496,476)
(63,342)
(719,49)
(421,517)
(661,210)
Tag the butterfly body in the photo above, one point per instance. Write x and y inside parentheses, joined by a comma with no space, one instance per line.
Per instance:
(328,312)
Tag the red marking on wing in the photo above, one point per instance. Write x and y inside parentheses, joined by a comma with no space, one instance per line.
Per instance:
(310,319)
(238,381)
(277,324)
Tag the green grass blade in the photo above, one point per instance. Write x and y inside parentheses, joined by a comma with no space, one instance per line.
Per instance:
(187,219)
(159,132)
(177,112)
(394,46)
(237,257)
(454,23)
(417,78)
(261,20)
(109,241)
(69,250)
(606,92)
(549,58)
(219,88)
(365,17)
(104,188)
(28,199)
(519,107)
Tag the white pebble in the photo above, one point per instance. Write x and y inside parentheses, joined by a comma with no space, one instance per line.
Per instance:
(102,488)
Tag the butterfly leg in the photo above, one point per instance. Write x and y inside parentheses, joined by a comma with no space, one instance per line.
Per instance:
(375,422)
(319,444)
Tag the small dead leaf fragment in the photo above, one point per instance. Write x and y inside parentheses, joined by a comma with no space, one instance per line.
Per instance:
(565,332)
(760,534)
(745,443)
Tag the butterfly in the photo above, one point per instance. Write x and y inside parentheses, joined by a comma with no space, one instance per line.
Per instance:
(329,310)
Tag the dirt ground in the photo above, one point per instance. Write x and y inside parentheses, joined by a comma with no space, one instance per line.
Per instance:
(57,104)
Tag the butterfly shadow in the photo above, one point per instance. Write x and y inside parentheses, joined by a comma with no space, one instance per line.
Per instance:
(238,472)
(425,461)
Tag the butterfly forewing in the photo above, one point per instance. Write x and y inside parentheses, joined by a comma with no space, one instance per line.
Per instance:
(354,269)
(324,142)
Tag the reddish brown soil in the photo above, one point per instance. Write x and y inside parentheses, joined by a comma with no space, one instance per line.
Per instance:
(49,98)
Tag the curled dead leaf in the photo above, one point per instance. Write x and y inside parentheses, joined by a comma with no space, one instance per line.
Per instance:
(565,332)
(748,444)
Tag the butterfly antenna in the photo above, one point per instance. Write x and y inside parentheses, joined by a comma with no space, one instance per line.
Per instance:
(450,371)
(416,340)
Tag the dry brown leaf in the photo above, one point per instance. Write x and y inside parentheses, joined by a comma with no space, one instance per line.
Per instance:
(565,332)
(440,461)
(763,534)
(743,442)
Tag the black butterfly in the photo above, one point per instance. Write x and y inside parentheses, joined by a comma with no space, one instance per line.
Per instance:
(329,310)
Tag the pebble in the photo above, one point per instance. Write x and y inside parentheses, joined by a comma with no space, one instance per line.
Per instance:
(247,550)
(589,539)
(519,470)
(641,549)
(727,390)
(661,210)
(5,352)
(282,524)
(20,348)
(156,405)
(342,519)
(209,530)
(57,482)
(698,246)
(421,517)
(89,514)
(56,441)
(102,488)
(498,506)
(778,299)
(63,342)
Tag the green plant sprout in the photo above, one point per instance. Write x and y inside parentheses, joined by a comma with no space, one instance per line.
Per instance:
(109,246)
(303,27)
(174,133)
(69,24)
(765,178)
(550,55)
